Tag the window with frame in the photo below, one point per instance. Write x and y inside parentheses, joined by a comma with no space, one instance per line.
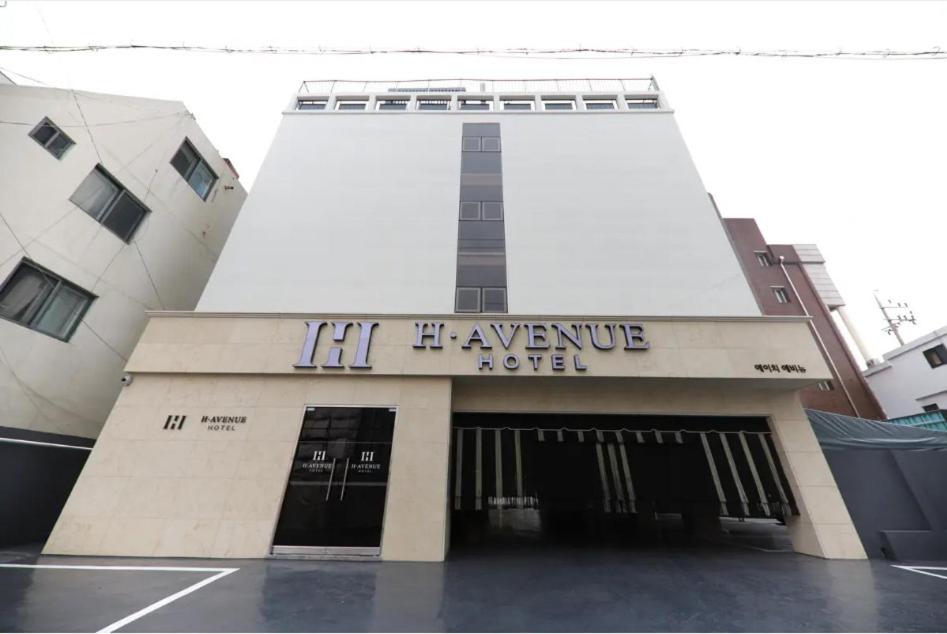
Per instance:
(517,104)
(936,356)
(427,103)
(43,301)
(636,103)
(931,408)
(113,206)
(763,258)
(194,169)
(391,104)
(351,104)
(600,104)
(475,104)
(48,134)
(782,296)
(558,104)
(481,300)
(311,104)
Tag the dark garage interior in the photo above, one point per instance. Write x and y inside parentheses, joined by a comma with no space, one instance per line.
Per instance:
(629,481)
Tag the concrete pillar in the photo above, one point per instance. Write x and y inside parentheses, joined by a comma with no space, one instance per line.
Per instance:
(416,510)
(823,528)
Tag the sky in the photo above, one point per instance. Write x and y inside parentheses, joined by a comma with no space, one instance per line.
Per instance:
(846,154)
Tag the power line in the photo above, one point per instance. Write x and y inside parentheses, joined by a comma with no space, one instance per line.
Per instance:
(534,53)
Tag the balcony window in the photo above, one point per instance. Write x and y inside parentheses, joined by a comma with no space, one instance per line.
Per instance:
(391,104)
(311,104)
(425,103)
(351,104)
(600,104)
(518,104)
(476,104)
(558,104)
(635,103)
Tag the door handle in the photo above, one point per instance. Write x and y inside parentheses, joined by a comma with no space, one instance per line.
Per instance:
(345,478)
(331,475)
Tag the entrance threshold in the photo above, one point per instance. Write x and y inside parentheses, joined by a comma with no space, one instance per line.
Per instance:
(326,553)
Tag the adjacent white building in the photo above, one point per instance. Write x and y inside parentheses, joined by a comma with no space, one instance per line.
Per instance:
(912,378)
(111,206)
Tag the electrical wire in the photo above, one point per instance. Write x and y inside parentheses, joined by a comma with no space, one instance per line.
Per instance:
(534,53)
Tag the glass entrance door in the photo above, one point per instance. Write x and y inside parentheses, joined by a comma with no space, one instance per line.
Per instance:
(335,498)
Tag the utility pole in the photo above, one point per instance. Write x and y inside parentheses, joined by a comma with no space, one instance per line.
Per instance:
(903,316)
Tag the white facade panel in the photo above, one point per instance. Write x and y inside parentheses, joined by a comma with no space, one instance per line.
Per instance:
(68,387)
(358,212)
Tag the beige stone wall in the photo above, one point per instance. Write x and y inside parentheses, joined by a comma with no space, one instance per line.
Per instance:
(691,348)
(148,491)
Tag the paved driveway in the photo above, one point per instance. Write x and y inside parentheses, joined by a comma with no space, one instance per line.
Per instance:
(724,587)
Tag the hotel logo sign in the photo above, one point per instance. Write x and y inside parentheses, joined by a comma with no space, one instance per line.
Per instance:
(174,422)
(558,344)
(334,360)
(513,346)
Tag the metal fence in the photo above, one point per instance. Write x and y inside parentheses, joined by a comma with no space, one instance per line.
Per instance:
(447,86)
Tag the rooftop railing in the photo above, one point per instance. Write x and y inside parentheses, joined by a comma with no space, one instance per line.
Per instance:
(451,86)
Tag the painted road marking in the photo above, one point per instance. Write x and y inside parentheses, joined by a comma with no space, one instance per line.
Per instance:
(221,573)
(923,570)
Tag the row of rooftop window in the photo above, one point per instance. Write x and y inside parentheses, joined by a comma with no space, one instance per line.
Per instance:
(487,104)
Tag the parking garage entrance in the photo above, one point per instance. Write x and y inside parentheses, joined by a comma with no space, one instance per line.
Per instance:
(610,479)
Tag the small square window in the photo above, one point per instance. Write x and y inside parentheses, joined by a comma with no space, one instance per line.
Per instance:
(391,104)
(311,104)
(476,104)
(763,258)
(52,138)
(492,211)
(433,104)
(936,356)
(635,103)
(470,211)
(782,297)
(600,104)
(558,104)
(490,144)
(494,300)
(471,144)
(350,104)
(931,408)
(194,169)
(517,104)
(468,300)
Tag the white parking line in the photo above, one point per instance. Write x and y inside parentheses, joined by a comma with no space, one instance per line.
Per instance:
(221,573)
(923,570)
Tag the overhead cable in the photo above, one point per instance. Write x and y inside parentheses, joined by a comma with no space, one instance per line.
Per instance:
(537,53)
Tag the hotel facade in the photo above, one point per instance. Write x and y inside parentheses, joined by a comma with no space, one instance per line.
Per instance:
(451,308)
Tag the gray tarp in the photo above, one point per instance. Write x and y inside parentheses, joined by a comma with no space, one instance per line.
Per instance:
(892,480)
(835,431)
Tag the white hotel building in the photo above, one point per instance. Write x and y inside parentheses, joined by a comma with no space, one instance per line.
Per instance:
(454,310)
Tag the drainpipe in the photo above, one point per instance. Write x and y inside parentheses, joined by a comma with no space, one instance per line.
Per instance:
(859,343)
(818,337)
